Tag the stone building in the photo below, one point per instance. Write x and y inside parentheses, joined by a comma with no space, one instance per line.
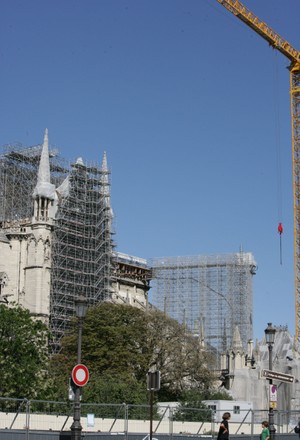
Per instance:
(56,228)
(131,280)
(241,372)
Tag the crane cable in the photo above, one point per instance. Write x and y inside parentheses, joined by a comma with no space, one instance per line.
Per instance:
(278,156)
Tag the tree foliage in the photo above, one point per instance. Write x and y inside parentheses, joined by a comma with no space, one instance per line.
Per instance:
(191,407)
(119,345)
(23,353)
(114,347)
(183,363)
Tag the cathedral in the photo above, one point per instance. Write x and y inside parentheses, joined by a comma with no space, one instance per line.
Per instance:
(56,238)
(56,244)
(242,373)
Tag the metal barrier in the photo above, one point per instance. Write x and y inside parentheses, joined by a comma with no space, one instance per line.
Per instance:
(23,419)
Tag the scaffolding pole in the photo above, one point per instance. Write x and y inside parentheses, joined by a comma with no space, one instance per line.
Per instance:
(81,233)
(209,294)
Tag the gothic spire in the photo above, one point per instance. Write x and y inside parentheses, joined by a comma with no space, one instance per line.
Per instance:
(43,187)
(105,180)
(104,176)
(237,340)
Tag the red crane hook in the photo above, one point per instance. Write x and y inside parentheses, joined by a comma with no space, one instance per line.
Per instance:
(280,231)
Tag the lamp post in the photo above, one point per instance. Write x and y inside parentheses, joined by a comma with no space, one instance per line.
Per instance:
(153,384)
(270,338)
(80,309)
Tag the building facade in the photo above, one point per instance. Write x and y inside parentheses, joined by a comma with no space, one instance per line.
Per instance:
(241,373)
(131,281)
(56,238)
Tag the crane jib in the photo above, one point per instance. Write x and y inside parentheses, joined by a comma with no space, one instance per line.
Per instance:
(260,27)
(283,46)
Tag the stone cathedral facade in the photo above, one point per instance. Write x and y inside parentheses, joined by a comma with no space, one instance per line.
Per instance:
(56,228)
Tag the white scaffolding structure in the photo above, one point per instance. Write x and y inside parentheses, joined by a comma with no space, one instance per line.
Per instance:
(81,245)
(211,295)
(18,176)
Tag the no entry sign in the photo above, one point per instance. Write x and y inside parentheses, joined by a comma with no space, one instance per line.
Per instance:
(80,375)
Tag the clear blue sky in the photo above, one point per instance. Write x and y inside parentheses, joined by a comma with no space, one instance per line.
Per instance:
(192,108)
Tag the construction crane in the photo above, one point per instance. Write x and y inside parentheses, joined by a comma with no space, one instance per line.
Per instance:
(277,42)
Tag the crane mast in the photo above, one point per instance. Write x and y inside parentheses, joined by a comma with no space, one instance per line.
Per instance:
(277,42)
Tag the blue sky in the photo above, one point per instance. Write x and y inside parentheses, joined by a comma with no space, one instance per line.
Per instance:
(192,108)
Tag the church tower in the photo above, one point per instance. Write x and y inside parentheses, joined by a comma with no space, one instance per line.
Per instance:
(37,270)
(27,210)
(44,192)
(56,242)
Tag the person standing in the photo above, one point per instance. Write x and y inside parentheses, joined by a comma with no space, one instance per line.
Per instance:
(223,433)
(297,428)
(265,433)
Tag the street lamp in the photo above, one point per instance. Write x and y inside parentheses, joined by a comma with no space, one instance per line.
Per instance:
(270,338)
(80,309)
(153,384)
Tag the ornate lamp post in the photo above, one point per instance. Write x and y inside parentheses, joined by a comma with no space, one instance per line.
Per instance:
(80,309)
(270,338)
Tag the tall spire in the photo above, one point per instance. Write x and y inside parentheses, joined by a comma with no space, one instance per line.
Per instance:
(43,187)
(104,176)
(104,162)
(105,180)
(236,340)
(104,190)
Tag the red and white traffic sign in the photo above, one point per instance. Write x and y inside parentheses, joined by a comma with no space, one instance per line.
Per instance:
(80,375)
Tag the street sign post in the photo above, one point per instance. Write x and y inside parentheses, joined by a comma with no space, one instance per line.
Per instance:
(80,375)
(282,377)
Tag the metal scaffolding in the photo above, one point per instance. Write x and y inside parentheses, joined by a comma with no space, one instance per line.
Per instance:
(211,295)
(18,175)
(82,246)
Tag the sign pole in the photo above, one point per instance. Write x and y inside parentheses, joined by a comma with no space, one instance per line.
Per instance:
(151,413)
(76,427)
(153,384)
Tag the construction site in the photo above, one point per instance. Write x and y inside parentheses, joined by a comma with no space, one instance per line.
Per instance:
(55,248)
(81,231)
(211,295)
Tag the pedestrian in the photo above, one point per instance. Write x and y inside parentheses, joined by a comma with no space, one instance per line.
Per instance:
(265,433)
(223,433)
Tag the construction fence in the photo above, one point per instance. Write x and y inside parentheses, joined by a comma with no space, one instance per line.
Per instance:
(24,419)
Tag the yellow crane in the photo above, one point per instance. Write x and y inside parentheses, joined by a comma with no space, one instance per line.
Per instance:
(277,42)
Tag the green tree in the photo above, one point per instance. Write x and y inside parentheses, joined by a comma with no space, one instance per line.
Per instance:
(119,345)
(183,362)
(23,353)
(114,347)
(117,389)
